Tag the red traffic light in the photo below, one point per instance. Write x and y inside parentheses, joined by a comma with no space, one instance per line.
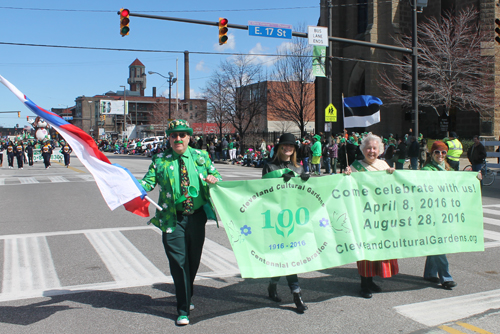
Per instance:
(124,12)
(223,31)
(124,22)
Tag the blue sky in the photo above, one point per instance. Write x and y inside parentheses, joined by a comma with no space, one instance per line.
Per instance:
(54,77)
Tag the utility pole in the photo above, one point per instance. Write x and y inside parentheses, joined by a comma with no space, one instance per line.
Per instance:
(414,69)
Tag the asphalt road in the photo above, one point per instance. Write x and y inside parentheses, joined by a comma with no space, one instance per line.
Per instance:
(70,265)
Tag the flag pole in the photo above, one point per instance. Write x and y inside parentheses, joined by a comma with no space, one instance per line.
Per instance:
(154,203)
(343,123)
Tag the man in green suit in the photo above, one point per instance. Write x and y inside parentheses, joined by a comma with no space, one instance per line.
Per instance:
(183,174)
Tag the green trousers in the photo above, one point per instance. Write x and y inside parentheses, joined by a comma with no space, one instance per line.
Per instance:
(183,248)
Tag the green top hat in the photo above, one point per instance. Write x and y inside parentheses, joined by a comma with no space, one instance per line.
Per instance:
(178,125)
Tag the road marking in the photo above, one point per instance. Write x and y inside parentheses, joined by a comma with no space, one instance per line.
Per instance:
(431,313)
(492,212)
(473,328)
(451,330)
(123,260)
(491,221)
(2,182)
(86,177)
(28,180)
(217,257)
(69,167)
(57,179)
(28,266)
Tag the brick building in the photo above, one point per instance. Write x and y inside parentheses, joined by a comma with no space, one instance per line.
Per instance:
(103,115)
(378,22)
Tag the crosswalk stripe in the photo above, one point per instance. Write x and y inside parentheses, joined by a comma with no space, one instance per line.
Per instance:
(491,221)
(86,177)
(492,212)
(123,260)
(2,181)
(28,180)
(430,313)
(28,266)
(219,258)
(57,179)
(492,235)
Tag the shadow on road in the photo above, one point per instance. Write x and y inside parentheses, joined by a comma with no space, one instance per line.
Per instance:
(212,302)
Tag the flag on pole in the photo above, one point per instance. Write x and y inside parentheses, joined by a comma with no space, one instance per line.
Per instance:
(117,185)
(361,111)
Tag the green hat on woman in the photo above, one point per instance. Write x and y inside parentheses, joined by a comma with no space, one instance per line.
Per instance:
(178,125)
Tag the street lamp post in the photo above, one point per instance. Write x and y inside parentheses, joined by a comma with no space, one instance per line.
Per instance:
(171,81)
(124,108)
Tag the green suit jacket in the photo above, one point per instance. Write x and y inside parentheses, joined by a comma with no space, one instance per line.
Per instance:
(161,172)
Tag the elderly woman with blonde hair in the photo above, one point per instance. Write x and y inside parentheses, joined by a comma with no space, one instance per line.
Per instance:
(372,146)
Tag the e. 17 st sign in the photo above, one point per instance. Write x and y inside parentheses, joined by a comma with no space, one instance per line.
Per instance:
(264,29)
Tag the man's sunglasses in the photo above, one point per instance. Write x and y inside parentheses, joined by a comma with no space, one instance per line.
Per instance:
(178,134)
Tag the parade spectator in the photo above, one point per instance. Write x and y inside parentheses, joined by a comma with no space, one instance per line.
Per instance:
(413,152)
(400,154)
(225,147)
(332,156)
(371,147)
(423,151)
(305,154)
(184,216)
(316,155)
(285,159)
(476,154)
(455,150)
(211,151)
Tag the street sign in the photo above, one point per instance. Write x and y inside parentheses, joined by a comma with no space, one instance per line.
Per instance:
(330,113)
(317,35)
(68,118)
(264,29)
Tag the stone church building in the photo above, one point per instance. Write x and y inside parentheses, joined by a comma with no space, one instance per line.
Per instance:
(379,21)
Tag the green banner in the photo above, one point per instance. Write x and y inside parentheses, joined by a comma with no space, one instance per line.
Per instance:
(318,65)
(277,228)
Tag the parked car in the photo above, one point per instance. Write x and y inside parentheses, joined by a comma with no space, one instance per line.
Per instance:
(151,140)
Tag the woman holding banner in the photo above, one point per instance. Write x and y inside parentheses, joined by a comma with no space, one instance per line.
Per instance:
(371,146)
(284,164)
(436,266)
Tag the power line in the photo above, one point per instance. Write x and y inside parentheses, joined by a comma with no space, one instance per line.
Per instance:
(159,11)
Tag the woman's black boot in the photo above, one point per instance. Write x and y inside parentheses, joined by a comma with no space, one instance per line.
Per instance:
(297,299)
(273,292)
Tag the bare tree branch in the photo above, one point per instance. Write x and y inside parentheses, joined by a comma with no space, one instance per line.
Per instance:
(452,73)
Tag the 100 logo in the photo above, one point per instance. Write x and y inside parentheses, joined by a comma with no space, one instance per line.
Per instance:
(286,221)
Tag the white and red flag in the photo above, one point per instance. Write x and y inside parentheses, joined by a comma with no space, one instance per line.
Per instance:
(117,185)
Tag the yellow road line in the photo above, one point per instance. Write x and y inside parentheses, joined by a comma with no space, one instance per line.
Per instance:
(450,330)
(72,168)
(473,328)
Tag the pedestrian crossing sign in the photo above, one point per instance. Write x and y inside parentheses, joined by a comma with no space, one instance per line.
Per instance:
(330,113)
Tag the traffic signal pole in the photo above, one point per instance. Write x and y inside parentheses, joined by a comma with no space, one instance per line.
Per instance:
(412,51)
(294,33)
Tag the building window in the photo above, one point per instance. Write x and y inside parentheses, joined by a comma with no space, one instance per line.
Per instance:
(362,16)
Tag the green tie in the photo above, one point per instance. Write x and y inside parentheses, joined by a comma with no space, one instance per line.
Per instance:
(188,203)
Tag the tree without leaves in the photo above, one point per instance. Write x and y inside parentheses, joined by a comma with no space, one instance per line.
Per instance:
(292,96)
(452,73)
(242,97)
(216,94)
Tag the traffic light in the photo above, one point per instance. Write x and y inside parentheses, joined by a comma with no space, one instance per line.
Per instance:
(124,22)
(19,114)
(497,30)
(222,30)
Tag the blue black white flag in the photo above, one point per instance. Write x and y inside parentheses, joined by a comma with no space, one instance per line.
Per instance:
(361,111)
